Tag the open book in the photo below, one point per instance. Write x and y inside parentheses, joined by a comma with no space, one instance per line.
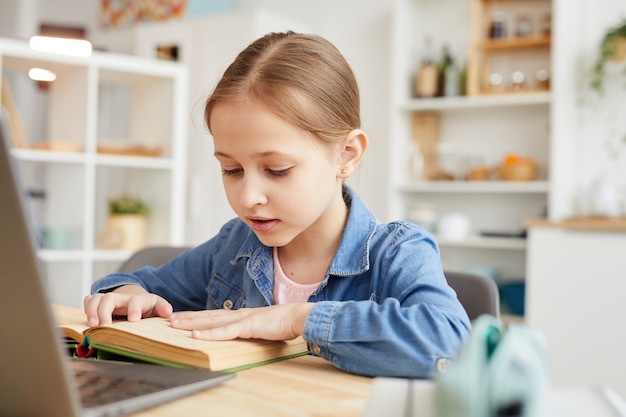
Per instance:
(153,340)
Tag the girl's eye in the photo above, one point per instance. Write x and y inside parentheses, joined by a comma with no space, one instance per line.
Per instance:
(279,172)
(235,171)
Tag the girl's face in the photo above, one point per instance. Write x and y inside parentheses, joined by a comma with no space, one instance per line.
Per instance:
(278,178)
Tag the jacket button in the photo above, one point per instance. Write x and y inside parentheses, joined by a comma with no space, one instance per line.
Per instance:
(442,365)
(316,350)
(228,305)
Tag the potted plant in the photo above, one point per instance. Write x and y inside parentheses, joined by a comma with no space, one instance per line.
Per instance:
(126,223)
(612,48)
(128,204)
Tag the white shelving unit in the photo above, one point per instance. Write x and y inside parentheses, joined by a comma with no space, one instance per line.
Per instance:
(484,126)
(110,100)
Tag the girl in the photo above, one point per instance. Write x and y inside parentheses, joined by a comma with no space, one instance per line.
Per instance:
(305,256)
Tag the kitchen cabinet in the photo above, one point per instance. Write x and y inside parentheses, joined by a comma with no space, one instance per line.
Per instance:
(99,118)
(477,128)
(575,298)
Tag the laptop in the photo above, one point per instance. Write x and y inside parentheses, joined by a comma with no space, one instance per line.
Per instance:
(37,375)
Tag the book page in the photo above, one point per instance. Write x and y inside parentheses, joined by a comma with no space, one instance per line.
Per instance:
(71,321)
(154,337)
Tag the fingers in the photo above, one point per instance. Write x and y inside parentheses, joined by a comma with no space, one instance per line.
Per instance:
(279,322)
(205,320)
(219,333)
(147,305)
(100,308)
(215,324)
(162,308)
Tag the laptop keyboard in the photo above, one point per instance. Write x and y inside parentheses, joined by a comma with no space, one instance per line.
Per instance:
(96,388)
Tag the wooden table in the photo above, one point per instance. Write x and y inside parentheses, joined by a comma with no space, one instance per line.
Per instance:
(303,386)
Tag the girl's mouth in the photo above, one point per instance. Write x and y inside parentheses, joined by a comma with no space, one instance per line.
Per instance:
(262,225)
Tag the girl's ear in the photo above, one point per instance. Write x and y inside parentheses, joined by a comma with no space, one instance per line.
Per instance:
(351,153)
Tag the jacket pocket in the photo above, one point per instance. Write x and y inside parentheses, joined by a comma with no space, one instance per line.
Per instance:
(223,294)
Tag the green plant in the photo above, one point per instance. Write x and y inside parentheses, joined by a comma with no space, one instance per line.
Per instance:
(128,204)
(606,52)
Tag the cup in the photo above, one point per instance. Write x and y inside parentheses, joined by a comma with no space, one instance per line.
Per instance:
(57,238)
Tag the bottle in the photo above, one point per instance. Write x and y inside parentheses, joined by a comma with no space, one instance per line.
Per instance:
(449,74)
(427,73)
(463,80)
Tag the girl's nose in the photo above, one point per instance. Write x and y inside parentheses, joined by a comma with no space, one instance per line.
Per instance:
(252,192)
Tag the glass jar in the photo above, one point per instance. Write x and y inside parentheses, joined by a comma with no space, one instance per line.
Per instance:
(497,29)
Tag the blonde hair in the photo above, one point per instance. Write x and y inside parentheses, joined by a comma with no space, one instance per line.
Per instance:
(303,79)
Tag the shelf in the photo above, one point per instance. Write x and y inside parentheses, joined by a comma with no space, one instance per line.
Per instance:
(49,156)
(477,102)
(99,255)
(500,187)
(102,160)
(111,255)
(49,255)
(516,43)
(512,1)
(134,161)
(481,242)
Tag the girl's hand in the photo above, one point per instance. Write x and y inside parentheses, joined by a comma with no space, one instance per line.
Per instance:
(131,301)
(278,322)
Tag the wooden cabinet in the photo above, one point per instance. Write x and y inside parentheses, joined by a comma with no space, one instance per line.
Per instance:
(109,124)
(476,127)
(509,46)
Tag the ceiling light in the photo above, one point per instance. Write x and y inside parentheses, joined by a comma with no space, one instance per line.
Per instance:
(75,47)
(40,74)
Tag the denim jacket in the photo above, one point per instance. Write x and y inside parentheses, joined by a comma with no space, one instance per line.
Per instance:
(383,309)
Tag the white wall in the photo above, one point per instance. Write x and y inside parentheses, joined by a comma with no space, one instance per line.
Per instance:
(603,116)
(583,123)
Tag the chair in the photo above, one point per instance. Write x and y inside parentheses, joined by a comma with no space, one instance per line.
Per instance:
(477,293)
(151,256)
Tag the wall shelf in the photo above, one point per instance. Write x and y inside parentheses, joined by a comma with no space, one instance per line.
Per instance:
(508,44)
(138,101)
(477,102)
(481,242)
(496,187)
(49,156)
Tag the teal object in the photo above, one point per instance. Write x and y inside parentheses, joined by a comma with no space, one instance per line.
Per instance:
(513,296)
(497,372)
(197,8)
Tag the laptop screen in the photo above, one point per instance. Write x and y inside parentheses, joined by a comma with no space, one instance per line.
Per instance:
(32,366)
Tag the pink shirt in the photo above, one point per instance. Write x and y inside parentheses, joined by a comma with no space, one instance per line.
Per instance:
(287,291)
